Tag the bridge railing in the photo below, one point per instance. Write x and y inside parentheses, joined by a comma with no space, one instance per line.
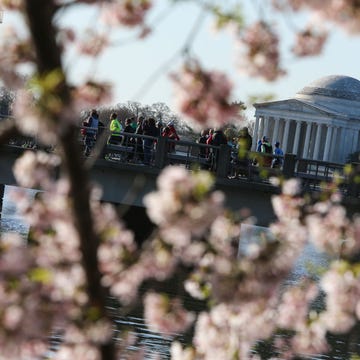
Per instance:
(315,172)
(129,148)
(255,167)
(164,151)
(187,153)
(323,170)
(222,161)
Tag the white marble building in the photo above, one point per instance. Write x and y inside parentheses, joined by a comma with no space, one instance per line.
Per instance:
(322,121)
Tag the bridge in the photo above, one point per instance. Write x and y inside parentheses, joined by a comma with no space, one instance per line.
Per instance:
(125,180)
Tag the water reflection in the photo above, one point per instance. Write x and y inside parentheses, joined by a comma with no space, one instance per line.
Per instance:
(308,263)
(11,221)
(153,342)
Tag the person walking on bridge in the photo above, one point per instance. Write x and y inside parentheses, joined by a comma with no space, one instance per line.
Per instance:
(244,144)
(170,132)
(92,127)
(218,139)
(139,151)
(278,159)
(149,129)
(266,148)
(116,129)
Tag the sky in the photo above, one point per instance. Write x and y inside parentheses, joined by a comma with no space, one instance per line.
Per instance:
(139,69)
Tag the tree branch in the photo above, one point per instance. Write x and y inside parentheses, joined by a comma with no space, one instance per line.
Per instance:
(40,16)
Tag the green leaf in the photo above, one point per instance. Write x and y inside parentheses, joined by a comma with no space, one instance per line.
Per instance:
(41,275)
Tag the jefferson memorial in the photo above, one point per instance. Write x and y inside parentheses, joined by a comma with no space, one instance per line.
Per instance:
(321,122)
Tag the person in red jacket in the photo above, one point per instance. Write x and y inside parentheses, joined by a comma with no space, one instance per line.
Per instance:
(210,136)
(170,132)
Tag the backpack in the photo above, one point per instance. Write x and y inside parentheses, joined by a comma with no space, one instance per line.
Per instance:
(268,148)
(219,139)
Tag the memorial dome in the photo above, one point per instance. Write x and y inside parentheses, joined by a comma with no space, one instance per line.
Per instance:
(334,86)
(322,121)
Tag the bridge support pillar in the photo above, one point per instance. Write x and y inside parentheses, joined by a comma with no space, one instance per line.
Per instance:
(161,152)
(223,161)
(289,165)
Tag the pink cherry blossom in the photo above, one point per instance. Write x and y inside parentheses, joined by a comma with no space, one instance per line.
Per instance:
(12,4)
(43,285)
(125,12)
(15,51)
(310,340)
(183,205)
(14,255)
(165,315)
(331,230)
(92,43)
(294,307)
(33,122)
(178,353)
(91,94)
(260,57)
(344,13)
(204,96)
(342,287)
(309,42)
(33,169)
(12,317)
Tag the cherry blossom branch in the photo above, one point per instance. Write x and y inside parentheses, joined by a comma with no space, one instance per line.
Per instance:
(161,17)
(194,31)
(40,15)
(184,50)
(72,3)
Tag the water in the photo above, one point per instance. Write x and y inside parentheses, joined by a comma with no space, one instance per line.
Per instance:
(155,343)
(309,260)
(11,220)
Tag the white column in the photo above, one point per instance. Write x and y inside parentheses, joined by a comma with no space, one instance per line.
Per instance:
(332,156)
(266,125)
(255,135)
(355,141)
(341,148)
(351,139)
(276,130)
(286,135)
(328,146)
(317,141)
(307,141)
(261,130)
(297,137)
